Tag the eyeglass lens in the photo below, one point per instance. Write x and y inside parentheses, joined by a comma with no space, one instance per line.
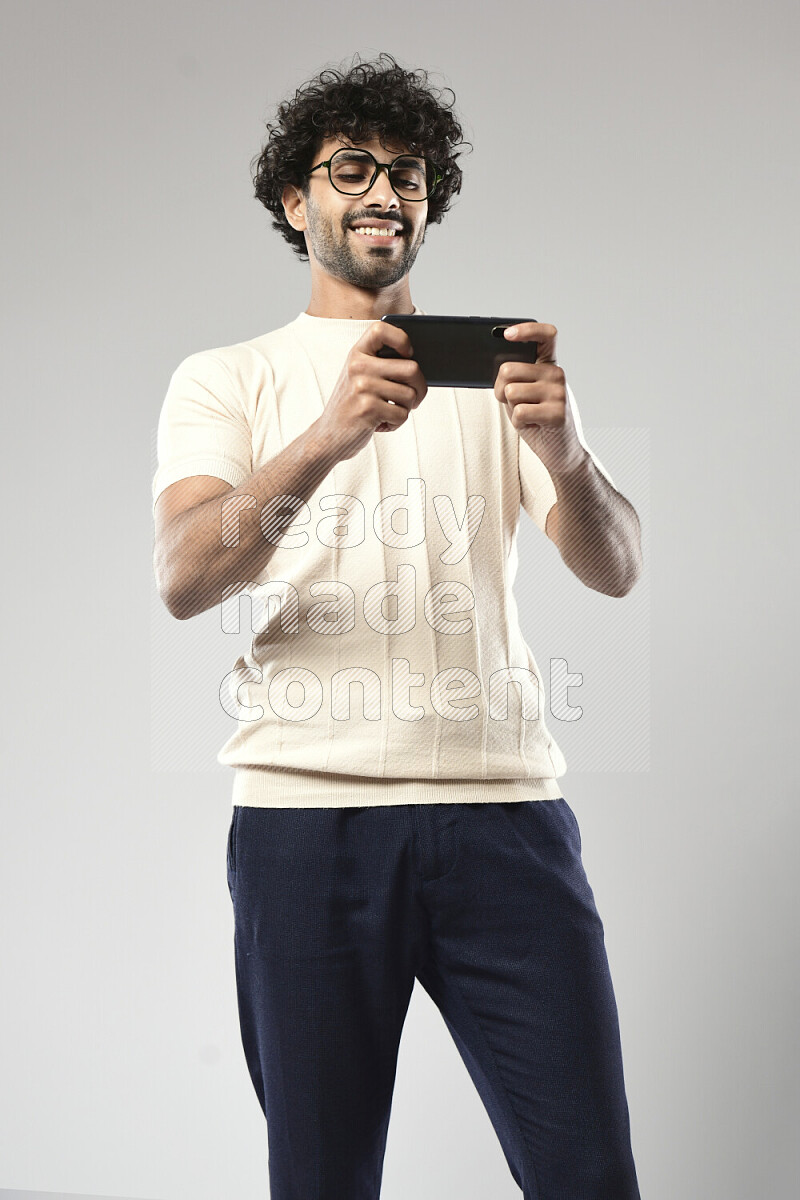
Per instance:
(352,171)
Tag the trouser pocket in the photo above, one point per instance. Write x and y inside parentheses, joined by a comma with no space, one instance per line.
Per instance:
(231,848)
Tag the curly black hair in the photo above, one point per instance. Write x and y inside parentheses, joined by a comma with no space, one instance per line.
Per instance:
(371,100)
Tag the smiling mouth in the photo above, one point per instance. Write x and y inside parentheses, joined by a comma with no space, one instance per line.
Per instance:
(376,239)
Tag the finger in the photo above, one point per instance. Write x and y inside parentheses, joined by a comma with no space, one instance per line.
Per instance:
(548,372)
(535,331)
(404,370)
(382,333)
(509,372)
(544,413)
(401,394)
(516,386)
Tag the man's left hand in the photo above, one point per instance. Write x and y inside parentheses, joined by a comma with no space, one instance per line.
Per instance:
(535,396)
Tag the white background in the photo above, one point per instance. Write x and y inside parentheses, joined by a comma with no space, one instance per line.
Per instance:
(634,181)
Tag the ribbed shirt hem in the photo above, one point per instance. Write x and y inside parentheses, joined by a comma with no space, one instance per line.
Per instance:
(286,787)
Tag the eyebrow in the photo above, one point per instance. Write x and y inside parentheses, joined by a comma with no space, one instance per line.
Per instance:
(355,151)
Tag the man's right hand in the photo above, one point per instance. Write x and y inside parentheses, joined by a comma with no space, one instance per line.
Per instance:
(372,394)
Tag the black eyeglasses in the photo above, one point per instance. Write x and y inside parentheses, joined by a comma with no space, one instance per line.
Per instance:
(353,172)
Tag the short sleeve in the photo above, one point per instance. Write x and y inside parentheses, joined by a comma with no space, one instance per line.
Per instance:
(202,428)
(537,490)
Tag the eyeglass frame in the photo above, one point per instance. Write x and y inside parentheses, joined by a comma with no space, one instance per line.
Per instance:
(379,166)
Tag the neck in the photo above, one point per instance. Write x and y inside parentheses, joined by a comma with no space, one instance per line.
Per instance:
(335,298)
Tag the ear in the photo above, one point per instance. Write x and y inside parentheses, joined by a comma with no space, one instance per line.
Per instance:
(294,202)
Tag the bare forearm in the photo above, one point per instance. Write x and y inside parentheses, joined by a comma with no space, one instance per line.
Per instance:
(599,535)
(209,549)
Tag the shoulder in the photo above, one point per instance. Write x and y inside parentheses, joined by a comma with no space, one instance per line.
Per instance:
(243,355)
(243,367)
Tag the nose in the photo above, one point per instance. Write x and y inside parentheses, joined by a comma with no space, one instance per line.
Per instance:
(382,190)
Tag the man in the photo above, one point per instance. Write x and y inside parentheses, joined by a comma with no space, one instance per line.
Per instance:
(397,811)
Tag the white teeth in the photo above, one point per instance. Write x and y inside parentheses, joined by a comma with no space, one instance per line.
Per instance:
(381,232)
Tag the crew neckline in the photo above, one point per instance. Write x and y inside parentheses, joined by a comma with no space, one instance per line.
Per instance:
(342,323)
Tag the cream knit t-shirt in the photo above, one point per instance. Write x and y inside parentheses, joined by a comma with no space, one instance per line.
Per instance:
(387,665)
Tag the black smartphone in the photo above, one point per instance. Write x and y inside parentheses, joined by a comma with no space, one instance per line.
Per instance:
(462,352)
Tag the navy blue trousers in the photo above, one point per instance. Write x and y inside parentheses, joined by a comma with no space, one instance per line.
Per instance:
(337,912)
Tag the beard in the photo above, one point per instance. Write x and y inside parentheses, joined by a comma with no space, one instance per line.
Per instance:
(371,267)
